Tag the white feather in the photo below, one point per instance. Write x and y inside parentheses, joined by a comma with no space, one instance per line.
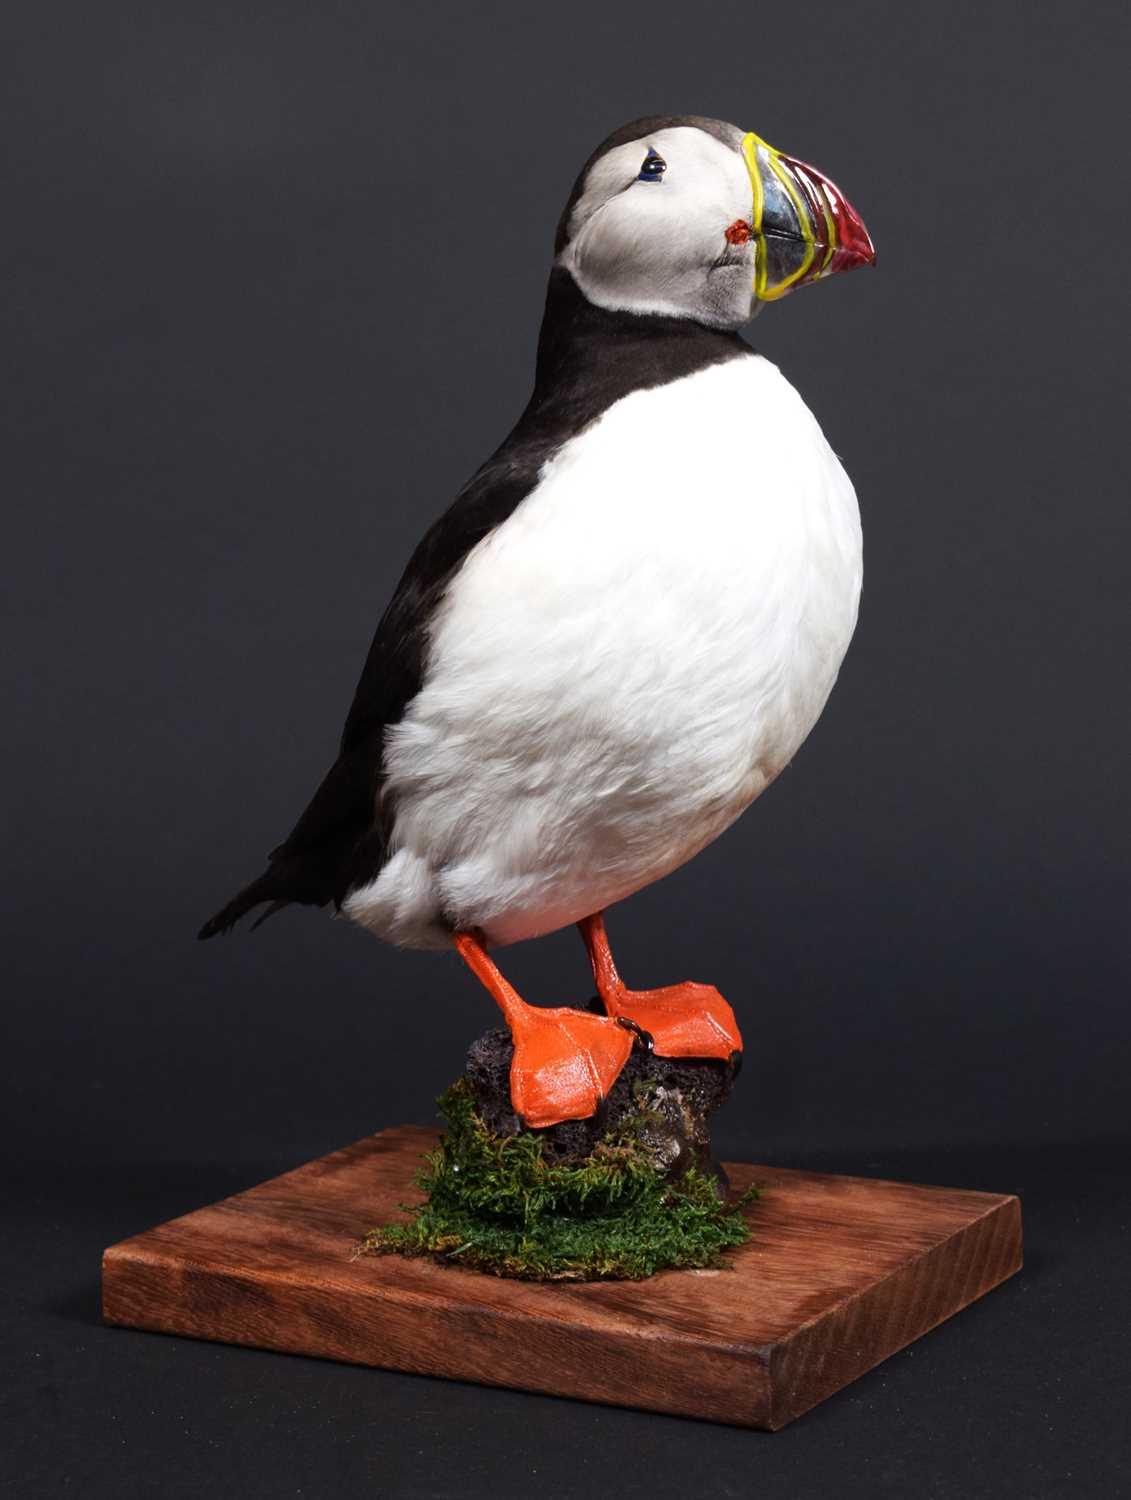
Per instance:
(624,665)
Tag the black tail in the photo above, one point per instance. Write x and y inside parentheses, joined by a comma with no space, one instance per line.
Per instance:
(309,879)
(266,888)
(315,864)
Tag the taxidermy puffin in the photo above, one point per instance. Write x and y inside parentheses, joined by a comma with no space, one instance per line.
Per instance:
(625,624)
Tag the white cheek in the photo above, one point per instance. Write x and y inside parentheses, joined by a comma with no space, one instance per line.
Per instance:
(656,246)
(639,234)
(733,286)
(659,254)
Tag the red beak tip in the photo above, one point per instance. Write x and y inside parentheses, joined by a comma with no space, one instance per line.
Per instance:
(855,239)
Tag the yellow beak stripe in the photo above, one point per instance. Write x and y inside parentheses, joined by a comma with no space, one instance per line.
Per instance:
(760,156)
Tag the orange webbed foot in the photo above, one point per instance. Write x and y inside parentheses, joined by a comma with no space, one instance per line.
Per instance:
(683,1020)
(565,1062)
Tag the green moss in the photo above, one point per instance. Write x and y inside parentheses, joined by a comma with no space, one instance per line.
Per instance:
(494,1203)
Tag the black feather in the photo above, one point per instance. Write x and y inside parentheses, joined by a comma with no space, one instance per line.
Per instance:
(226,918)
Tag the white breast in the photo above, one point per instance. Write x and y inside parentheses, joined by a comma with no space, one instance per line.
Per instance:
(624,664)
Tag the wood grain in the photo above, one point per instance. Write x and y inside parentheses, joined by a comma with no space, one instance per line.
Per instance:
(841,1272)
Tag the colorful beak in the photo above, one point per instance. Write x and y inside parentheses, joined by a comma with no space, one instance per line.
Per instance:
(804,226)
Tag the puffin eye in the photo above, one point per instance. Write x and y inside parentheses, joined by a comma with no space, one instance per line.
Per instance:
(652,168)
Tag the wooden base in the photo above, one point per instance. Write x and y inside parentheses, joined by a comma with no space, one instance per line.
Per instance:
(840,1273)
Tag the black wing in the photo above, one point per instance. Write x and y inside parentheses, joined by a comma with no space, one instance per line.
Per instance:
(340,841)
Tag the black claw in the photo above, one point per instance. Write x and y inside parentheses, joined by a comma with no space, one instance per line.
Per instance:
(643,1037)
(736,1063)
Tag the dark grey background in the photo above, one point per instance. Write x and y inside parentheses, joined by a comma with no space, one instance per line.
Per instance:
(272,281)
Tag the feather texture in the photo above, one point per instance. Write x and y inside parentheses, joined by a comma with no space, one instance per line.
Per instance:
(622,666)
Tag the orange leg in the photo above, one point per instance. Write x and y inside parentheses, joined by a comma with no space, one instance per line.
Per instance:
(683,1020)
(565,1061)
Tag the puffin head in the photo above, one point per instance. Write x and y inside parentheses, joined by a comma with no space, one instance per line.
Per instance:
(694,218)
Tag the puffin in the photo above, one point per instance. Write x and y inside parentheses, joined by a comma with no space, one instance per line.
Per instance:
(625,624)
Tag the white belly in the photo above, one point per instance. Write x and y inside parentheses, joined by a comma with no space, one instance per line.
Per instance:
(624,664)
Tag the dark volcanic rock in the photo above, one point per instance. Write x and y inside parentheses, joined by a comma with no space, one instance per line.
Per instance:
(676,1096)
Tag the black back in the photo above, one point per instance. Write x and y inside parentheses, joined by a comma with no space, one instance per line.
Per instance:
(588,358)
